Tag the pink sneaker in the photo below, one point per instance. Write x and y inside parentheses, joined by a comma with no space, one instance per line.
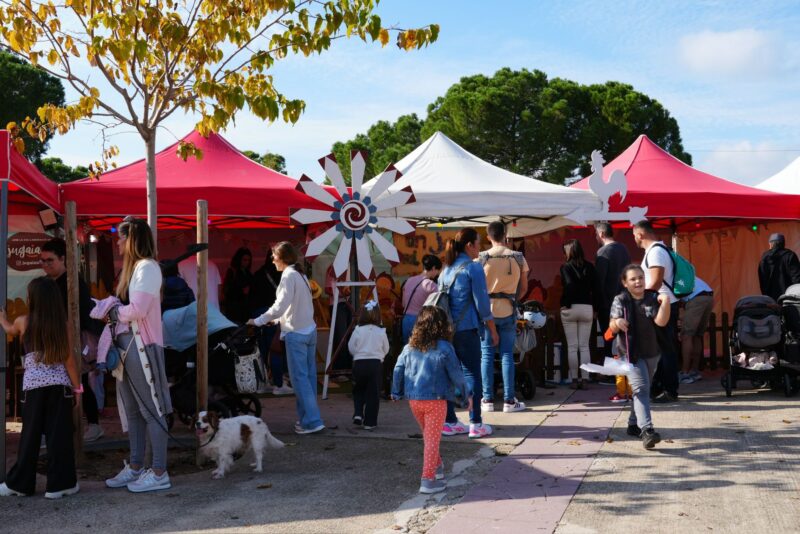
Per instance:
(617,398)
(480,430)
(451,429)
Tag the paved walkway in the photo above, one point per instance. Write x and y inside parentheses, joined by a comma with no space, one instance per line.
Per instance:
(532,487)
(725,465)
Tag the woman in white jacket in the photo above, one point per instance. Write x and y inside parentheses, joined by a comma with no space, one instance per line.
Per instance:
(295,309)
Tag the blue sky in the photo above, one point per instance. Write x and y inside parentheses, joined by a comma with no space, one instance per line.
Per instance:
(728,71)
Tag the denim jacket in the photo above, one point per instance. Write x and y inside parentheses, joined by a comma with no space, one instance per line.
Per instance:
(469,289)
(432,375)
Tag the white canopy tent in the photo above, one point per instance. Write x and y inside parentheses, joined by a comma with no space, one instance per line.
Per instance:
(785,181)
(453,187)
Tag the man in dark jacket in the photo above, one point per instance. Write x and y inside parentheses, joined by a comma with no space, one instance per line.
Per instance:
(612,257)
(779,268)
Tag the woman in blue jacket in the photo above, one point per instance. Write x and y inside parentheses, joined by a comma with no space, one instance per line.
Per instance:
(465,282)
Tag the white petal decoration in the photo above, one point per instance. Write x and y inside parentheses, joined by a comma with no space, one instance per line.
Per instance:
(309,216)
(399,226)
(357,165)
(321,242)
(333,172)
(363,257)
(385,247)
(395,200)
(389,176)
(315,191)
(342,260)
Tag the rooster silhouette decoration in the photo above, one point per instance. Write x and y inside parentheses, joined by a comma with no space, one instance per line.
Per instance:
(617,182)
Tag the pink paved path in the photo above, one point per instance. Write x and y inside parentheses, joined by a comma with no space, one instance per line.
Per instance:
(531,488)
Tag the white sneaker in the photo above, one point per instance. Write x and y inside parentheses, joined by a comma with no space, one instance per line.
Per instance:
(124,477)
(487,405)
(515,406)
(479,430)
(451,429)
(283,390)
(5,491)
(149,481)
(93,433)
(62,493)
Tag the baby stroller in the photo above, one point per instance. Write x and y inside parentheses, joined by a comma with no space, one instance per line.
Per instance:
(755,344)
(531,317)
(226,343)
(790,313)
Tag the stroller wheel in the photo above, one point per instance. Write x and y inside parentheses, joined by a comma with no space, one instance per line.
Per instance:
(526,384)
(788,386)
(727,383)
(248,404)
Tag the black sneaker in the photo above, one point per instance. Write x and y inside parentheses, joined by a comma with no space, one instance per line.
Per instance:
(650,437)
(634,431)
(665,397)
(357,420)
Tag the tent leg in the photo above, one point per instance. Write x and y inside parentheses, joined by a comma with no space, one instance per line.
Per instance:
(329,352)
(3,294)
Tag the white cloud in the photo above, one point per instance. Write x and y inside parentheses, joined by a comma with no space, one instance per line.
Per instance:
(743,161)
(738,54)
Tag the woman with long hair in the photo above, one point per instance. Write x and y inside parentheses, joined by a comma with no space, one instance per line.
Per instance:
(577,313)
(237,287)
(295,309)
(49,385)
(465,282)
(143,387)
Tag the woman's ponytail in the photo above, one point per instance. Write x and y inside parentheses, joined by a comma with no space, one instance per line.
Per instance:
(456,246)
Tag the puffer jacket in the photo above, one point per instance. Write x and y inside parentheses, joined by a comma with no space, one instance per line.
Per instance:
(435,374)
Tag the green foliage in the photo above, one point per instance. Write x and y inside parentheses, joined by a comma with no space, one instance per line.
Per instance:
(276,162)
(384,142)
(23,89)
(526,123)
(58,171)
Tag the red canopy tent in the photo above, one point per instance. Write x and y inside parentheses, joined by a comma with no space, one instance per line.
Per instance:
(239,191)
(672,190)
(28,189)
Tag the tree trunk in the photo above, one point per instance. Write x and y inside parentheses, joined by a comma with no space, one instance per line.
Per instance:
(152,204)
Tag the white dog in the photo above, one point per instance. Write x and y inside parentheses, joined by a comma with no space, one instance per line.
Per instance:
(220,439)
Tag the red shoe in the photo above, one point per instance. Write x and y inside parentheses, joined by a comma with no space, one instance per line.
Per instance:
(617,398)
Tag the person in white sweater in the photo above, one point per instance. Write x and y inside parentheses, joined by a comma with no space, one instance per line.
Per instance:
(295,310)
(368,345)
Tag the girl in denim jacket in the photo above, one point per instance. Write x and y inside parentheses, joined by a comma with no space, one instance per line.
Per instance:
(429,374)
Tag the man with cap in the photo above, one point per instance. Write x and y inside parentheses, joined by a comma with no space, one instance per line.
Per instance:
(779,268)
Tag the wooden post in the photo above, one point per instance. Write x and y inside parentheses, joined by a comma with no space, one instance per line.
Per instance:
(202,312)
(726,342)
(73,313)
(712,340)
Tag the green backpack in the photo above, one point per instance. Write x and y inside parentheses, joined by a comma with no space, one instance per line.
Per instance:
(683,274)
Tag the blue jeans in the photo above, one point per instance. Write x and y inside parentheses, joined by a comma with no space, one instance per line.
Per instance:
(640,380)
(301,355)
(468,349)
(408,324)
(507,332)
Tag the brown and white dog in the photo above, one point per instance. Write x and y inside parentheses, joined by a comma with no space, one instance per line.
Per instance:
(220,439)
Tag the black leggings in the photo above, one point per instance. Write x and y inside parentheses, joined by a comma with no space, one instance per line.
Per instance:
(89,402)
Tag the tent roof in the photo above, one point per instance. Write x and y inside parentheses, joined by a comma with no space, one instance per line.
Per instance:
(785,181)
(234,186)
(671,189)
(28,188)
(449,182)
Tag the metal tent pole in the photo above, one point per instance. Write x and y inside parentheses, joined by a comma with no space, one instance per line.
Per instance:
(3,295)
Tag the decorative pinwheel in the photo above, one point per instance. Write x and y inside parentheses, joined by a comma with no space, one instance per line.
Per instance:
(355,216)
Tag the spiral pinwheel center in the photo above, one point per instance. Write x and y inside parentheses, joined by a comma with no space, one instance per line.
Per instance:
(354,215)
